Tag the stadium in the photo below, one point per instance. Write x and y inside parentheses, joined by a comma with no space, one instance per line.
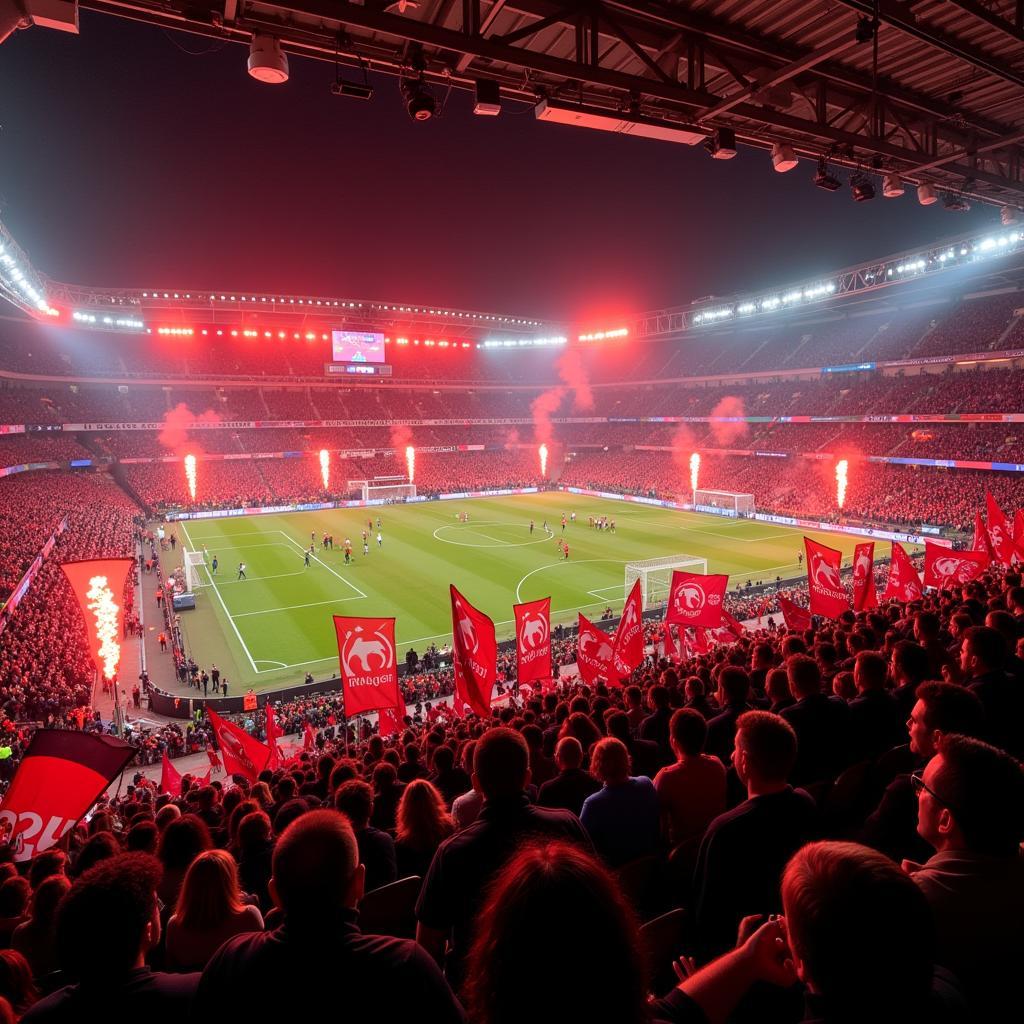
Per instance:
(471,552)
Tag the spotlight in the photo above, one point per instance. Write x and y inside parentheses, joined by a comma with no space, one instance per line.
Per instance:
(488,98)
(721,144)
(267,61)
(892,186)
(356,90)
(783,158)
(823,179)
(861,188)
(420,104)
(926,195)
(955,203)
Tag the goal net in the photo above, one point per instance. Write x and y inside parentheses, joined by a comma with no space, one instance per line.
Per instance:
(370,491)
(655,575)
(723,503)
(196,573)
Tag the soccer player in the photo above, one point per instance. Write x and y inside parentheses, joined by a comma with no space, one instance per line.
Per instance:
(206,555)
(612,526)
(379,523)
(531,527)
(369,524)
(565,551)
(572,517)
(307,560)
(563,522)
(241,571)
(380,539)
(215,564)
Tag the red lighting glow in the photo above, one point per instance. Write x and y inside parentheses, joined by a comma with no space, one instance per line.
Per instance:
(190,474)
(542,452)
(410,462)
(325,467)
(841,470)
(619,332)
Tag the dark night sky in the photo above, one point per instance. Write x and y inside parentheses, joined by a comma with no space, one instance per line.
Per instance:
(126,161)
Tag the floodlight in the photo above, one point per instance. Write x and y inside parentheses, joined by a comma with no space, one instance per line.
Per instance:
(267,61)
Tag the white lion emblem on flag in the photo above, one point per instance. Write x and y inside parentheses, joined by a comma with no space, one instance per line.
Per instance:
(823,573)
(690,597)
(535,630)
(372,653)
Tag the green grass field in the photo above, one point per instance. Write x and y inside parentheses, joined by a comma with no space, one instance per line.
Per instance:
(267,631)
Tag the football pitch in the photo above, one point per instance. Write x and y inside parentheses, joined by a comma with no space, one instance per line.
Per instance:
(270,629)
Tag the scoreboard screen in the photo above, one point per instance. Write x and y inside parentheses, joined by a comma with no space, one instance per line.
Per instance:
(357,347)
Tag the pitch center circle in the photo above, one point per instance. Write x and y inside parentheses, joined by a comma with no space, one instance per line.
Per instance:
(491,542)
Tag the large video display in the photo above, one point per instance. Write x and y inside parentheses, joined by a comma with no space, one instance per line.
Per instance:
(357,347)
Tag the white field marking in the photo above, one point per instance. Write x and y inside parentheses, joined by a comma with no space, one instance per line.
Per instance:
(232,547)
(467,528)
(293,607)
(270,661)
(323,563)
(184,530)
(564,561)
(253,579)
(224,537)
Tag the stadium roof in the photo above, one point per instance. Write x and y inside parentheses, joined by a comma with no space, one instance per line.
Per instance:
(932,91)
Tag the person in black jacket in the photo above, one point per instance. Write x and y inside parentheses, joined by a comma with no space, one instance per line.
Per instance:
(106,925)
(572,785)
(317,884)
(376,848)
(821,723)
(876,722)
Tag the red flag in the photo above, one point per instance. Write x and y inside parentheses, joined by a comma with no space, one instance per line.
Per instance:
(1018,527)
(170,777)
(63,773)
(392,720)
(701,641)
(595,651)
(998,531)
(732,624)
(629,637)
(795,617)
(981,541)
(242,754)
(673,651)
(865,595)
(273,734)
(903,583)
(824,583)
(99,584)
(475,654)
(308,737)
(369,668)
(533,640)
(695,599)
(946,568)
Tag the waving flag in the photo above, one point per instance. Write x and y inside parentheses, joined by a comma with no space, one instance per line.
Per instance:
(98,584)
(673,651)
(595,652)
(865,596)
(629,637)
(243,755)
(273,734)
(998,531)
(824,583)
(62,774)
(695,599)
(946,568)
(475,651)
(981,541)
(903,583)
(533,640)
(369,667)
(795,617)
(170,777)
(392,720)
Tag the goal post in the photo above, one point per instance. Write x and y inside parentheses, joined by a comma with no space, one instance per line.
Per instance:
(728,503)
(655,576)
(369,491)
(196,572)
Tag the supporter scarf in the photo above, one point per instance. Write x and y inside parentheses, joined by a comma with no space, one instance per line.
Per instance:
(595,652)
(475,655)
(824,582)
(903,583)
(865,595)
(629,637)
(62,774)
(695,599)
(946,568)
(242,754)
(369,667)
(533,640)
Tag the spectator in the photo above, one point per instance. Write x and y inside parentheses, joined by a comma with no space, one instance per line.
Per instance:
(449,779)
(876,724)
(376,848)
(971,811)
(465,864)
(423,824)
(655,725)
(106,925)
(182,841)
(691,792)
(820,721)
(774,820)
(982,659)
(36,938)
(209,911)
(317,883)
(16,984)
(621,818)
(255,851)
(572,785)
(15,894)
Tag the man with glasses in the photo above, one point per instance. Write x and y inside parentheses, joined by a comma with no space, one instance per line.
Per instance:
(970,810)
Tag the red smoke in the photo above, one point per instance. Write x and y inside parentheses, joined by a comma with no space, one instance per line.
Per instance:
(726,433)
(543,407)
(174,432)
(684,444)
(574,374)
(401,438)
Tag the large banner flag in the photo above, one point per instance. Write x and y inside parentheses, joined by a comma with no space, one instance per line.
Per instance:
(795,617)
(475,654)
(998,531)
(1018,527)
(533,640)
(865,596)
(63,773)
(170,777)
(99,585)
(903,583)
(595,652)
(695,599)
(824,583)
(369,667)
(628,650)
(273,734)
(981,541)
(946,568)
(242,754)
